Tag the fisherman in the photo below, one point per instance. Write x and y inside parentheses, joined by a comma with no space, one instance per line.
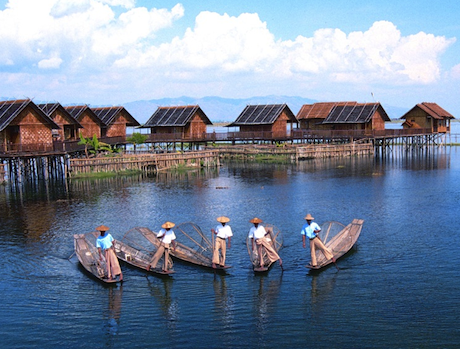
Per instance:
(167,238)
(311,230)
(258,235)
(104,242)
(223,233)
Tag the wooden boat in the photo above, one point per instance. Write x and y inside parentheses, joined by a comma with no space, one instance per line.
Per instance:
(339,238)
(192,245)
(136,249)
(86,251)
(275,236)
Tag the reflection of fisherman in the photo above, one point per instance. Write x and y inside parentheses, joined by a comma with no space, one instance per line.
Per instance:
(258,234)
(104,242)
(166,237)
(223,232)
(310,230)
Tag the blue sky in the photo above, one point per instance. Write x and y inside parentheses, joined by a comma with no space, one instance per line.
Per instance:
(110,52)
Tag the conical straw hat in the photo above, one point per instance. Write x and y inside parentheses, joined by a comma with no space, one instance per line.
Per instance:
(102,228)
(256,220)
(223,219)
(168,225)
(308,217)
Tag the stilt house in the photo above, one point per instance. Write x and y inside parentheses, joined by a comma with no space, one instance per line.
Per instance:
(115,119)
(69,126)
(25,127)
(184,122)
(267,121)
(428,116)
(92,125)
(365,117)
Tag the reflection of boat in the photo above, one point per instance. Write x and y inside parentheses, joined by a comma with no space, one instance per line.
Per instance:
(275,237)
(338,238)
(192,246)
(137,249)
(86,251)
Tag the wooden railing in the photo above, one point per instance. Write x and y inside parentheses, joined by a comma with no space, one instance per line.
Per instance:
(233,137)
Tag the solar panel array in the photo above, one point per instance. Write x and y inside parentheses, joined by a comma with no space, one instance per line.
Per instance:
(259,114)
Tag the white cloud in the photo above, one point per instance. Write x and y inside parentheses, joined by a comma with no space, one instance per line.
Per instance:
(113,43)
(379,54)
(50,63)
(86,34)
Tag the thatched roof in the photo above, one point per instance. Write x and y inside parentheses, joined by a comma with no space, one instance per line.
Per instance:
(9,110)
(108,115)
(431,109)
(262,115)
(176,116)
(50,108)
(356,113)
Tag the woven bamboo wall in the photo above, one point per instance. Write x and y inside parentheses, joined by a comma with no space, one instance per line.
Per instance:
(32,130)
(118,128)
(90,128)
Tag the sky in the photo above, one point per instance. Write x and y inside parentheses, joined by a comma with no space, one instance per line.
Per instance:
(110,52)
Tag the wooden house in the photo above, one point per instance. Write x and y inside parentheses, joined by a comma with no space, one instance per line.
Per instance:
(92,125)
(311,116)
(187,122)
(428,116)
(115,119)
(69,126)
(365,117)
(25,127)
(270,119)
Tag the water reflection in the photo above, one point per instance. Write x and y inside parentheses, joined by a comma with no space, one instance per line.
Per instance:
(322,288)
(114,312)
(223,304)
(161,291)
(265,305)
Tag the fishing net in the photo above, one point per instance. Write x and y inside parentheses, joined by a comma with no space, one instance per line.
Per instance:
(274,236)
(138,246)
(192,244)
(329,230)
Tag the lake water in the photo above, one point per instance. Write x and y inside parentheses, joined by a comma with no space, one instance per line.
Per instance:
(399,288)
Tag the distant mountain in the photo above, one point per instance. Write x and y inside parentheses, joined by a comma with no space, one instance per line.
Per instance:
(216,108)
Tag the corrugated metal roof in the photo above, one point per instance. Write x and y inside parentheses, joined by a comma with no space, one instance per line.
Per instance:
(262,114)
(318,110)
(432,109)
(108,115)
(11,109)
(435,111)
(175,116)
(354,113)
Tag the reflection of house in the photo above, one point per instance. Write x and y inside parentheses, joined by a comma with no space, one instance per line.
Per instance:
(116,119)
(428,116)
(270,118)
(186,121)
(92,125)
(68,125)
(343,116)
(23,123)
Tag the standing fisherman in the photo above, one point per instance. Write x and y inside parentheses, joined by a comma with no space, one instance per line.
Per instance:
(104,242)
(257,234)
(167,238)
(311,230)
(223,232)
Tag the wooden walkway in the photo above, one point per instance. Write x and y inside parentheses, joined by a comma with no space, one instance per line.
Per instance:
(297,152)
(143,162)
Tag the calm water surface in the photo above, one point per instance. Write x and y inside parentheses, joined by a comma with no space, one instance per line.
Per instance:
(398,289)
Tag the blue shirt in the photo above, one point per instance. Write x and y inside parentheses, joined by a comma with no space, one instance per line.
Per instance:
(104,242)
(309,230)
